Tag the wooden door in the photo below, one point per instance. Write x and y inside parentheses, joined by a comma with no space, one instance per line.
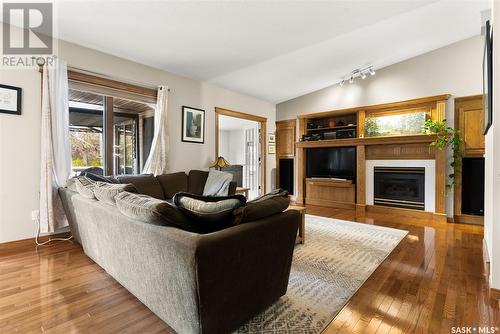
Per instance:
(469,120)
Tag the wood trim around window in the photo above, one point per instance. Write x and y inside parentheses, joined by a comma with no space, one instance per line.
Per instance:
(263,138)
(109,83)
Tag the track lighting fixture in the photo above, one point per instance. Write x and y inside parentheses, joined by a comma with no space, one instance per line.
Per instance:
(359,72)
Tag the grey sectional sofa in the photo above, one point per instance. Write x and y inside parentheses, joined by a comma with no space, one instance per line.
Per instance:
(196,283)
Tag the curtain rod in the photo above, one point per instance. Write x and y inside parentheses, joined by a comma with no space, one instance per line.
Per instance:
(81,70)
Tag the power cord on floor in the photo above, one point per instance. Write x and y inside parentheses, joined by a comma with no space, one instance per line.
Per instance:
(50,239)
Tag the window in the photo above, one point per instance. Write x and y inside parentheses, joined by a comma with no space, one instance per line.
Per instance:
(118,149)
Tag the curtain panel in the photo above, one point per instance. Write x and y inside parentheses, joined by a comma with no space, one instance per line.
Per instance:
(157,162)
(55,145)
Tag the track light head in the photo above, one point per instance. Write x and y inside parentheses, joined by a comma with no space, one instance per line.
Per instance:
(342,82)
(351,79)
(372,71)
(363,75)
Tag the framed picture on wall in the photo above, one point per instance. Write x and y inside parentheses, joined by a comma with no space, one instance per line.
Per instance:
(193,125)
(10,99)
(272,138)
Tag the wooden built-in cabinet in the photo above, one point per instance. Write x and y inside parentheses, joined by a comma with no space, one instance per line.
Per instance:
(469,120)
(332,193)
(285,154)
(349,194)
(285,139)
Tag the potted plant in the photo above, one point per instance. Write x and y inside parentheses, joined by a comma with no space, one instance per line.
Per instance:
(447,137)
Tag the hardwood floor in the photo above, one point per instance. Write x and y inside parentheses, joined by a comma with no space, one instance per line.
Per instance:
(433,280)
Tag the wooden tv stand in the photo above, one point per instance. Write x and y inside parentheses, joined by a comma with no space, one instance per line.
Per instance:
(331,192)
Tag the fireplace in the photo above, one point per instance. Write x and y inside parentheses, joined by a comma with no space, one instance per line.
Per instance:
(401,187)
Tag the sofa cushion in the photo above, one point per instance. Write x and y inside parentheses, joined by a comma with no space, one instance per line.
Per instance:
(196,181)
(266,205)
(145,184)
(150,210)
(106,192)
(173,183)
(83,185)
(210,213)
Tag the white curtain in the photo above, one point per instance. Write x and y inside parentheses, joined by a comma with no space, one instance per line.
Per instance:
(157,162)
(55,146)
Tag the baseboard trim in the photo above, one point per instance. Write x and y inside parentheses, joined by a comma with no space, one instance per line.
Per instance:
(469,219)
(4,246)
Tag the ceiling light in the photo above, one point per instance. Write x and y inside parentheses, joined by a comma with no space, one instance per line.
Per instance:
(359,72)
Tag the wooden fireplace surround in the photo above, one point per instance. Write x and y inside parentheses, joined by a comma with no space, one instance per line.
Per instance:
(344,194)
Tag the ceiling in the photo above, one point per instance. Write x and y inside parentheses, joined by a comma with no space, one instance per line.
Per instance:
(273,50)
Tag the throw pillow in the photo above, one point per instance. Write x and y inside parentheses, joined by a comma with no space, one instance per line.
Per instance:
(266,205)
(85,186)
(150,210)
(106,192)
(208,212)
(217,183)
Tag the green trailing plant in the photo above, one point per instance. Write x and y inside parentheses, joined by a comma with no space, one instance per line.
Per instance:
(447,137)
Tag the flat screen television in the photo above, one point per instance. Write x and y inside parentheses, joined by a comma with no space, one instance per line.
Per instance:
(331,162)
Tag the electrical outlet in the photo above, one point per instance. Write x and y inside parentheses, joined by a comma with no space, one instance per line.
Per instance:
(35,215)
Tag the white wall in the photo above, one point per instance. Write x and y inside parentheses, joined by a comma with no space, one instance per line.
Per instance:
(20,158)
(19,135)
(455,69)
(492,172)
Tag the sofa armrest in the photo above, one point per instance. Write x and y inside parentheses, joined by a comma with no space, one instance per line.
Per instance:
(243,269)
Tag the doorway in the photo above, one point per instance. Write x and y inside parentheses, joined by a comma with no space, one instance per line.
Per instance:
(240,139)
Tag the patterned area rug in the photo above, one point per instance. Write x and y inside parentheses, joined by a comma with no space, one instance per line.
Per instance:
(337,258)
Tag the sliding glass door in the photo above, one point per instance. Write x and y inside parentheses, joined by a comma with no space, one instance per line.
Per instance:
(126,144)
(106,133)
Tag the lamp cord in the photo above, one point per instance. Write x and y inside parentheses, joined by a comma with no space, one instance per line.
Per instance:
(50,239)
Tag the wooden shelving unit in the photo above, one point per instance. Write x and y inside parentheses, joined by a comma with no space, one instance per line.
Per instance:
(333,128)
(373,148)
